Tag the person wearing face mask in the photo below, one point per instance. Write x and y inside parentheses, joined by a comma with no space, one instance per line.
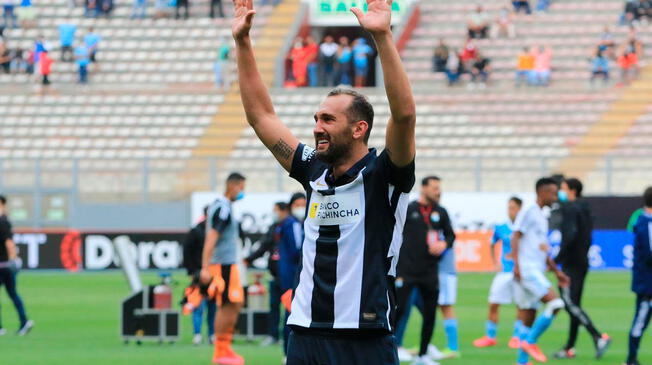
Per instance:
(290,236)
(269,244)
(576,228)
(298,206)
(220,269)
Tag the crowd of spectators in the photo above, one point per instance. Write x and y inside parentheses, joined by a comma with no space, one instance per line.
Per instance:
(329,63)
(17,13)
(534,63)
(534,66)
(636,12)
(626,55)
(38,61)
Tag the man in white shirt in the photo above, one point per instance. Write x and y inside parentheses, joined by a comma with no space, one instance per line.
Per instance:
(530,248)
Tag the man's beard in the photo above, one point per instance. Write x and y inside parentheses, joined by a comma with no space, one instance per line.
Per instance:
(335,153)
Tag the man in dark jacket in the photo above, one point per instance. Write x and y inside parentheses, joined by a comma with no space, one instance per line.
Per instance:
(576,227)
(641,277)
(427,234)
(192,250)
(269,244)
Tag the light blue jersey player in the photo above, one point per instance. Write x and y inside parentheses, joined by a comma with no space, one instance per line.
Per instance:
(502,287)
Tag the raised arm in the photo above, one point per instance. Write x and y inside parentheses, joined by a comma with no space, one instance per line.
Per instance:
(255,96)
(400,135)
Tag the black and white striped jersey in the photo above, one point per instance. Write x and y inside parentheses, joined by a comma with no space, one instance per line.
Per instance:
(353,236)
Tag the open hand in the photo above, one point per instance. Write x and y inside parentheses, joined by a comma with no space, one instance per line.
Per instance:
(243,18)
(378,18)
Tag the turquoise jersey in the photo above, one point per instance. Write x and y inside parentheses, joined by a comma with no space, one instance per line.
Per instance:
(503,233)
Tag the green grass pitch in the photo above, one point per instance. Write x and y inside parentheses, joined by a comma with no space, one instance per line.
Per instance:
(76,319)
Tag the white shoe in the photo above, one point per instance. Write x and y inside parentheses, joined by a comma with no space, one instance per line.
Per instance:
(3,331)
(434,352)
(196,339)
(268,341)
(25,328)
(285,360)
(424,360)
(211,339)
(404,355)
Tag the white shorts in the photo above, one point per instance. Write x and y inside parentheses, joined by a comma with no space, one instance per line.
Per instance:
(533,286)
(502,289)
(447,289)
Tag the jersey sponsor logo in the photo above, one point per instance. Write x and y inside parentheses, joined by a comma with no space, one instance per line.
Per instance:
(335,209)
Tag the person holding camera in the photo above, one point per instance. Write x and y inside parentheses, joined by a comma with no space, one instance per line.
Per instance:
(9,265)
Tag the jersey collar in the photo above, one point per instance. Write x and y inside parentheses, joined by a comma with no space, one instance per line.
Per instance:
(353,172)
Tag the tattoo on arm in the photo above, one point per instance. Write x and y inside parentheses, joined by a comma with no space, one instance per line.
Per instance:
(282,150)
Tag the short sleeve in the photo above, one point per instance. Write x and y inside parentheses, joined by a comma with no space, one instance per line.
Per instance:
(302,163)
(5,231)
(522,221)
(496,236)
(220,218)
(402,178)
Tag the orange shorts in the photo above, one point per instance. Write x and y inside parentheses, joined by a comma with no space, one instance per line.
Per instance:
(226,285)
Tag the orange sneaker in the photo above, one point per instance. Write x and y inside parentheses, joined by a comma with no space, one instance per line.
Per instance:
(534,351)
(485,342)
(229,357)
(514,343)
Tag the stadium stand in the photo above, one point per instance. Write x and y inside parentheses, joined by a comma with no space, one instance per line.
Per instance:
(497,139)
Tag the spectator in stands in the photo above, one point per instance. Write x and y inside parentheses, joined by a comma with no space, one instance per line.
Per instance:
(478,23)
(162,8)
(542,6)
(344,57)
(628,62)
(67,32)
(91,8)
(9,13)
(274,2)
(312,56)
(454,67)
(361,53)
(480,71)
(468,54)
(106,7)
(26,14)
(522,6)
(39,47)
(139,9)
(92,41)
(606,42)
(221,63)
(327,60)
(542,66)
(31,63)
(504,24)
(45,64)
(299,63)
(179,5)
(525,67)
(440,56)
(18,62)
(216,4)
(599,66)
(82,55)
(5,58)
